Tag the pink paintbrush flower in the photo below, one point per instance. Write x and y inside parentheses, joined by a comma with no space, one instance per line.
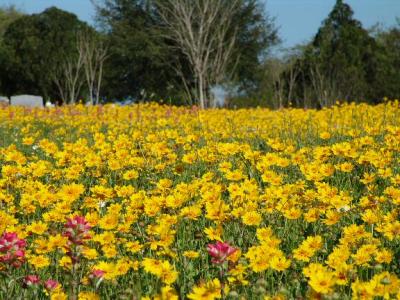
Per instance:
(51,284)
(30,280)
(77,229)
(12,249)
(220,252)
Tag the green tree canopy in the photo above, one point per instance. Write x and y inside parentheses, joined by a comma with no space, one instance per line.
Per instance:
(257,35)
(388,76)
(8,15)
(36,45)
(143,59)
(138,63)
(341,59)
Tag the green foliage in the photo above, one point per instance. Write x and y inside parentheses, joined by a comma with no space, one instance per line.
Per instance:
(256,35)
(388,75)
(344,52)
(143,62)
(138,65)
(35,46)
(7,16)
(343,62)
(349,51)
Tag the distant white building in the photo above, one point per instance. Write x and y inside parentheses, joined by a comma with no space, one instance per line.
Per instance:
(26,100)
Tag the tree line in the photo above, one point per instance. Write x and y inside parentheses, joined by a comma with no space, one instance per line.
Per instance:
(181,51)
(343,62)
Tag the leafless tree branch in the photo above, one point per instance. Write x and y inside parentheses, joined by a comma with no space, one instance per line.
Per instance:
(201,30)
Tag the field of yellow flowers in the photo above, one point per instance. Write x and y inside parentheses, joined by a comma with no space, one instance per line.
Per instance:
(158,202)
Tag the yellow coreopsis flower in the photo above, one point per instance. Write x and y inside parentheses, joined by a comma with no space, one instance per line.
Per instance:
(37,227)
(214,233)
(322,282)
(206,291)
(88,296)
(252,218)
(59,295)
(39,261)
(280,263)
(191,254)
(131,174)
(320,278)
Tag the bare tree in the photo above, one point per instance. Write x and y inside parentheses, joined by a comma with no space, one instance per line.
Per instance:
(204,31)
(68,76)
(325,87)
(292,68)
(276,69)
(94,53)
(294,72)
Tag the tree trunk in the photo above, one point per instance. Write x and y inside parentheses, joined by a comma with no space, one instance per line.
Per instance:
(201,93)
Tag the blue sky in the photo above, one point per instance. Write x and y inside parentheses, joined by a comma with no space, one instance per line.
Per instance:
(298,20)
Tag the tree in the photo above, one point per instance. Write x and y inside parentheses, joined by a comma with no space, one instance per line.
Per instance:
(85,63)
(340,60)
(224,41)
(94,53)
(138,63)
(68,75)
(256,35)
(7,16)
(36,45)
(387,82)
(200,30)
(292,72)
(145,60)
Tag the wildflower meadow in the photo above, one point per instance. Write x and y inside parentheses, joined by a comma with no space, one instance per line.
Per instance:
(151,201)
